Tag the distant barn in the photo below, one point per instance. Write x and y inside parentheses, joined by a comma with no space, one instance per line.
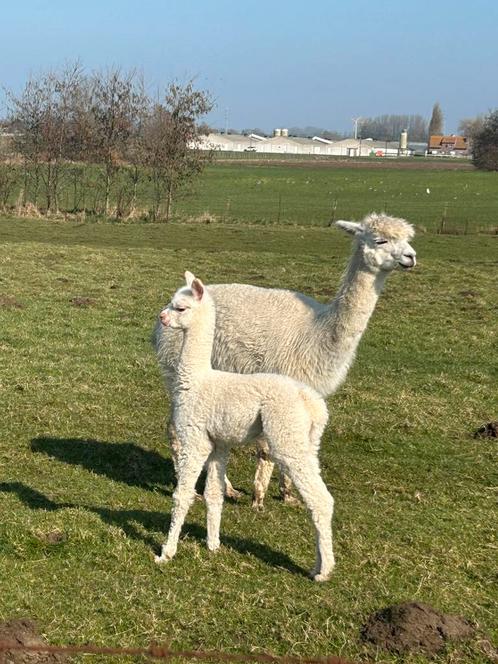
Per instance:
(282,143)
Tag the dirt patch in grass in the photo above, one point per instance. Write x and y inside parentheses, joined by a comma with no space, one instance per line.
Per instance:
(82,301)
(24,632)
(414,627)
(51,537)
(10,302)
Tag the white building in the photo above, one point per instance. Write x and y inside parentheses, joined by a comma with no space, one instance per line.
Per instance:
(281,143)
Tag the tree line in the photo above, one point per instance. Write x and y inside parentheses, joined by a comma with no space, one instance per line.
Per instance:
(64,121)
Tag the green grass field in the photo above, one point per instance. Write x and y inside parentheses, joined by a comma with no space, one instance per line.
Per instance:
(462,200)
(313,195)
(86,476)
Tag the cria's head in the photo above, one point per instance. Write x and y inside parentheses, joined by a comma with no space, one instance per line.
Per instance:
(384,241)
(180,312)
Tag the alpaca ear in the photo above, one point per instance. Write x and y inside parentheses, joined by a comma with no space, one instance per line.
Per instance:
(189,278)
(351,227)
(197,288)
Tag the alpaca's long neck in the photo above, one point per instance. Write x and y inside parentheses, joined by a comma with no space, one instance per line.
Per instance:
(347,316)
(195,356)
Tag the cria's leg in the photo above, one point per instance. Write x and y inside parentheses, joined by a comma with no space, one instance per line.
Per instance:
(213,495)
(263,475)
(285,484)
(190,463)
(174,444)
(305,473)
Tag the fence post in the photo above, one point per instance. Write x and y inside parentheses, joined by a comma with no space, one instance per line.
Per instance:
(443,219)
(333,212)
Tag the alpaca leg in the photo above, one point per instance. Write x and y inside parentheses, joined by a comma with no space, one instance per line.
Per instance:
(285,490)
(285,482)
(263,475)
(305,473)
(230,492)
(174,443)
(190,464)
(213,495)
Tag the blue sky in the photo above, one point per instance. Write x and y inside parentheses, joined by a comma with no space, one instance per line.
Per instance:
(275,63)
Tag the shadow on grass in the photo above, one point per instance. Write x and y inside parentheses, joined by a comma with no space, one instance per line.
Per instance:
(136,523)
(123,462)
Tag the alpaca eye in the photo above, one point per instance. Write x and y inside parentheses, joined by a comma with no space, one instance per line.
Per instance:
(180,309)
(380,241)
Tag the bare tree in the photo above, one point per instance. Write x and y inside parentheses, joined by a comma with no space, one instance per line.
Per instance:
(107,119)
(26,113)
(58,127)
(43,114)
(114,104)
(171,144)
(436,123)
(8,171)
(469,127)
(389,127)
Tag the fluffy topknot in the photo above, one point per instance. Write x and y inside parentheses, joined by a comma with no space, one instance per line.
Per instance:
(390,228)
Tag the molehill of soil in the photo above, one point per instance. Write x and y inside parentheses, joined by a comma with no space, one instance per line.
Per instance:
(24,632)
(414,627)
(489,430)
(82,301)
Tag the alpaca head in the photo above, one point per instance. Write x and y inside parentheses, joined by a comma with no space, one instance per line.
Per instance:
(187,300)
(383,241)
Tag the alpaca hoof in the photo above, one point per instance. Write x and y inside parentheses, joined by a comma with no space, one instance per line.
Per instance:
(257,504)
(199,496)
(292,501)
(163,558)
(318,575)
(232,493)
(213,547)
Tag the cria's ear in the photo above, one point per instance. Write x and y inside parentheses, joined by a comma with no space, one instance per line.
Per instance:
(351,227)
(197,288)
(189,277)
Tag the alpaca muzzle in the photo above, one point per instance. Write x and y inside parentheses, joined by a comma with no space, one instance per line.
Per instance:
(408,261)
(164,317)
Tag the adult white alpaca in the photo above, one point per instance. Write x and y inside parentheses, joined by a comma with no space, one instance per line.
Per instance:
(214,410)
(280,331)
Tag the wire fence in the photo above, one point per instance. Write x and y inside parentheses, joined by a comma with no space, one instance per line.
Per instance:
(251,195)
(163,652)
(442,217)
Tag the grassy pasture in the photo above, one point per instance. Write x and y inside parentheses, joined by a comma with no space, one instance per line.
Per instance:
(86,476)
(310,194)
(313,195)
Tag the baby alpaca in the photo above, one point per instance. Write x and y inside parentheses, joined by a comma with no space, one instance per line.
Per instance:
(215,410)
